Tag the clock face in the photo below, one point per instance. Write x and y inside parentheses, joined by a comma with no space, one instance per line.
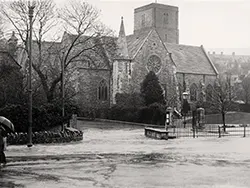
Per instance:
(154,63)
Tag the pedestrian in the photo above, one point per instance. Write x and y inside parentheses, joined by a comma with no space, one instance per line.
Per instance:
(2,146)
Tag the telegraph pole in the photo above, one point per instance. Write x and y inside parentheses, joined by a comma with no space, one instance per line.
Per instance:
(31,11)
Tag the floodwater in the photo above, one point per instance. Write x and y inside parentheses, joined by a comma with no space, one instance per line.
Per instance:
(122,157)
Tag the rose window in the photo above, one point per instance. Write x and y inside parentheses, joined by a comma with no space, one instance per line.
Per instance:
(154,63)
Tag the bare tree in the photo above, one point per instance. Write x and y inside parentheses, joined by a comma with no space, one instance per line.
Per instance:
(16,13)
(246,89)
(85,40)
(221,98)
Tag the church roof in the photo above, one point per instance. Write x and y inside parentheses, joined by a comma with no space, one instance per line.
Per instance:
(188,59)
(191,59)
(135,42)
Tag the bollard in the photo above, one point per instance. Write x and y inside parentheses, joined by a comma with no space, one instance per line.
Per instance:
(244,131)
(219,131)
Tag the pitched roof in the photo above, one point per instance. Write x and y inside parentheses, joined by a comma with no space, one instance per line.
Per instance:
(191,59)
(136,41)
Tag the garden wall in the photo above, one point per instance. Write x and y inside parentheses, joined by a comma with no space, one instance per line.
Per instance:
(43,137)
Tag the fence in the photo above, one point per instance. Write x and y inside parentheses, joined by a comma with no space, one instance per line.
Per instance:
(181,129)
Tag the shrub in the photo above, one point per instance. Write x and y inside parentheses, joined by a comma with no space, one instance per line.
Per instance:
(129,100)
(43,118)
(244,107)
(151,89)
(152,114)
(122,113)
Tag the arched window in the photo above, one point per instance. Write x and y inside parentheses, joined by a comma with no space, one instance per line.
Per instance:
(193,92)
(103,91)
(165,18)
(166,37)
(209,93)
(143,20)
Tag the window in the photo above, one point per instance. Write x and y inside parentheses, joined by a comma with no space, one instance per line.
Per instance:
(130,68)
(166,37)
(143,20)
(154,63)
(165,18)
(209,93)
(103,91)
(193,92)
(176,17)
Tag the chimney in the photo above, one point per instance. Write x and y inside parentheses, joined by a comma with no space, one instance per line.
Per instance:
(208,52)
(233,53)
(221,53)
(213,53)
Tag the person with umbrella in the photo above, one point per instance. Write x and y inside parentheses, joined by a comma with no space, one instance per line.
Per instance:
(2,146)
(5,127)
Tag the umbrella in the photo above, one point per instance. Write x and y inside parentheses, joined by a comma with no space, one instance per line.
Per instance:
(6,124)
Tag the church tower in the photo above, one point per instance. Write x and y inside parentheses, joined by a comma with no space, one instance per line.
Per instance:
(163,18)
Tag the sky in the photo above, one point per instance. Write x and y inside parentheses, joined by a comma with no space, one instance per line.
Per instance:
(215,24)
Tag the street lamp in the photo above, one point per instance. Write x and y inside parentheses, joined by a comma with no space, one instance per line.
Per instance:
(31,7)
(185,95)
(185,106)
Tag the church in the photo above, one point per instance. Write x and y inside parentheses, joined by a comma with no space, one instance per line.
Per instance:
(153,46)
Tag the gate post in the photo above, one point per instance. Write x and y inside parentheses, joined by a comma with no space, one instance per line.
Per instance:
(168,118)
(194,122)
(219,131)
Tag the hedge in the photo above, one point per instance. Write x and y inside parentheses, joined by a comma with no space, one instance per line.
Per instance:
(152,114)
(244,107)
(44,117)
(45,137)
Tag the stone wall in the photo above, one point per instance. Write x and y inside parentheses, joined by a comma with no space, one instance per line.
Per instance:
(45,137)
(89,81)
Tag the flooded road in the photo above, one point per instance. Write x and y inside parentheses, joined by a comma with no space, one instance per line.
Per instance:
(119,157)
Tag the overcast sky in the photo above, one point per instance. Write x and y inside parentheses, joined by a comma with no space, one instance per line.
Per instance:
(213,23)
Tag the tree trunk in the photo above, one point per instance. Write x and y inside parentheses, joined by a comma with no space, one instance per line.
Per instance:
(51,93)
(223,121)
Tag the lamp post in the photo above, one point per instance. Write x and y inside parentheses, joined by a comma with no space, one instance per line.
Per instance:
(31,11)
(63,92)
(185,106)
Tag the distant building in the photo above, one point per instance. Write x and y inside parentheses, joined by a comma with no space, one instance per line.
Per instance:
(10,76)
(232,65)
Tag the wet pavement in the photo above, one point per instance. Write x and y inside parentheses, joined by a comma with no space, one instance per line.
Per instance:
(121,156)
